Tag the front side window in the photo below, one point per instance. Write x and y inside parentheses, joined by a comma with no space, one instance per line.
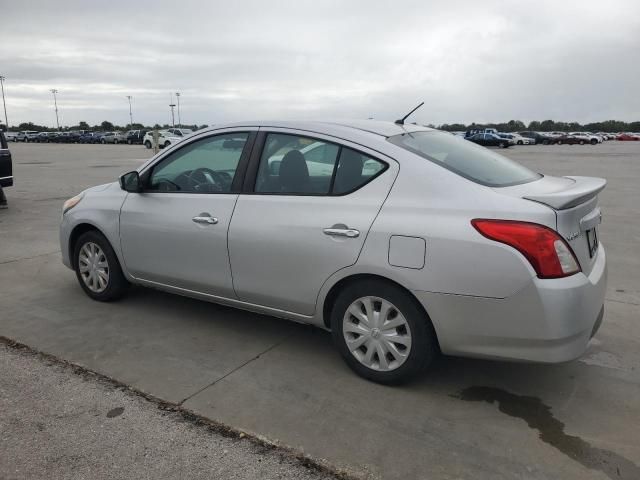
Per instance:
(467,159)
(296,165)
(205,166)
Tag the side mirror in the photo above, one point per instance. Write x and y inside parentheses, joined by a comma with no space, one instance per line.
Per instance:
(130,182)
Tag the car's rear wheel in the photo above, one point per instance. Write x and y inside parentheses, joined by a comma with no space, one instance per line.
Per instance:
(166,144)
(559,142)
(129,142)
(381,332)
(147,144)
(97,268)
(520,142)
(103,141)
(115,141)
(502,145)
(581,142)
(593,141)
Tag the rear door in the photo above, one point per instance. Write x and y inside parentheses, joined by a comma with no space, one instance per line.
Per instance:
(305,212)
(6,167)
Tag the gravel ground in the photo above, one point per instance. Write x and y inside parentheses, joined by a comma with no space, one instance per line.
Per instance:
(56,423)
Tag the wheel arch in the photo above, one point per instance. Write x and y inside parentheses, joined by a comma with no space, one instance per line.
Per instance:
(337,287)
(77,231)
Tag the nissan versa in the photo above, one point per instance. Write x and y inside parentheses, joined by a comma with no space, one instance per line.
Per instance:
(402,240)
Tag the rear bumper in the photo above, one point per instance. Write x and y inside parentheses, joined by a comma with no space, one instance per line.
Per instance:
(548,321)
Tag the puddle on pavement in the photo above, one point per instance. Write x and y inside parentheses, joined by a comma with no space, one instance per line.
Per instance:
(551,431)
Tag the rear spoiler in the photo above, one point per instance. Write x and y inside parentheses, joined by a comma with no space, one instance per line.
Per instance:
(583,189)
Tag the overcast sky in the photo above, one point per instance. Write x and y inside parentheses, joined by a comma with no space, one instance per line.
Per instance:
(468,60)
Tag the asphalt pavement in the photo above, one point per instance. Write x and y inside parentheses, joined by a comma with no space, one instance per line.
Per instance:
(465,418)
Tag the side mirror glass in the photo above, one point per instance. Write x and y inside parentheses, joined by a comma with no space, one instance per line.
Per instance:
(130,182)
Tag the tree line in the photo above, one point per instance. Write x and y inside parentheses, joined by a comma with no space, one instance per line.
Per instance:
(547,126)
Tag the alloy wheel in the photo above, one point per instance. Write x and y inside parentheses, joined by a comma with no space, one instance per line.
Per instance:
(93,267)
(376,333)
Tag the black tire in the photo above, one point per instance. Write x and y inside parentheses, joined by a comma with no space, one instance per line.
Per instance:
(166,144)
(593,141)
(129,142)
(581,142)
(103,141)
(424,343)
(559,142)
(115,141)
(147,144)
(520,142)
(545,142)
(117,284)
(503,145)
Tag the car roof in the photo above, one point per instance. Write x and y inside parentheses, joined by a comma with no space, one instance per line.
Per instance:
(377,127)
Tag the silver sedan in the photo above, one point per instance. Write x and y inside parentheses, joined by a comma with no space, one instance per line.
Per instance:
(401,240)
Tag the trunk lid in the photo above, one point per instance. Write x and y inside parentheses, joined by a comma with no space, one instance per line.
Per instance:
(574,201)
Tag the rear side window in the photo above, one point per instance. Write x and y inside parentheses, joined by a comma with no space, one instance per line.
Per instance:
(471,161)
(297,165)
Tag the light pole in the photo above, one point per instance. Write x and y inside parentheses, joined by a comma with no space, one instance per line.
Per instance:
(173,119)
(179,121)
(130,113)
(55,103)
(2,79)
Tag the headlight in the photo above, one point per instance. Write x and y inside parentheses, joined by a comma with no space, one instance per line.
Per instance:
(72,202)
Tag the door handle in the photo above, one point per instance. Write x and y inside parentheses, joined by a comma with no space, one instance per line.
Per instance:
(206,219)
(342,232)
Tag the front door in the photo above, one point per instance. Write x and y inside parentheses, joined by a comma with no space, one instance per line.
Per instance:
(308,216)
(175,232)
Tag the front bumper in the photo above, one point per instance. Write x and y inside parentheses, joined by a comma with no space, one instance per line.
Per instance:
(550,320)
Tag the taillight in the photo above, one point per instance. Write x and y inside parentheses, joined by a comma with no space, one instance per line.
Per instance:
(548,253)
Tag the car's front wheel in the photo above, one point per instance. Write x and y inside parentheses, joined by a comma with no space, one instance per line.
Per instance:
(147,144)
(98,269)
(503,145)
(381,332)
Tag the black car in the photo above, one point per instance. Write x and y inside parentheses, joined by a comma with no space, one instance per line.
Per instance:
(538,137)
(42,137)
(489,140)
(6,166)
(135,136)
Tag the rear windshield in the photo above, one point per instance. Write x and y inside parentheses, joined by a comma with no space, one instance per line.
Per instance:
(471,161)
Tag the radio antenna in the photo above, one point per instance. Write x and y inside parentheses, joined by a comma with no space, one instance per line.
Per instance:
(401,121)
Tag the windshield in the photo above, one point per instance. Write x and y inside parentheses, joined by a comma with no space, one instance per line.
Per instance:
(471,161)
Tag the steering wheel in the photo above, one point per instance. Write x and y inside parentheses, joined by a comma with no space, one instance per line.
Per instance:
(205,180)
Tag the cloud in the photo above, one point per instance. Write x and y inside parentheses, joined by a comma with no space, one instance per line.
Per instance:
(468,60)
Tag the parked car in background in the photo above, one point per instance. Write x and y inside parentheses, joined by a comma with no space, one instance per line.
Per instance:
(42,137)
(568,139)
(165,138)
(32,136)
(10,136)
(180,132)
(490,140)
(537,137)
(628,137)
(474,131)
(516,139)
(439,246)
(135,136)
(589,137)
(22,136)
(87,137)
(113,137)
